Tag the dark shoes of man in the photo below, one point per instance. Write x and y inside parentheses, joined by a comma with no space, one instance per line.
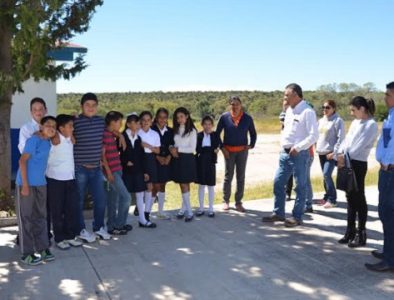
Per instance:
(380,267)
(377,254)
(239,207)
(273,218)
(292,222)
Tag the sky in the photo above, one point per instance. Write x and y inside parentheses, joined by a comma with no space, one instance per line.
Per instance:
(188,45)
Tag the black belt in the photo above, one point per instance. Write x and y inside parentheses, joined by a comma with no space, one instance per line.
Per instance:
(390,167)
(287,150)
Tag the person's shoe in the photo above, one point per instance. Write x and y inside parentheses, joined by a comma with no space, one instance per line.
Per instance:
(349,235)
(292,222)
(74,243)
(31,260)
(379,267)
(63,245)
(189,218)
(147,225)
(180,215)
(211,214)
(127,227)
(103,234)
(200,212)
(309,210)
(328,205)
(147,216)
(226,206)
(17,240)
(377,254)
(117,231)
(87,236)
(46,255)
(136,212)
(273,218)
(321,202)
(163,216)
(359,240)
(239,207)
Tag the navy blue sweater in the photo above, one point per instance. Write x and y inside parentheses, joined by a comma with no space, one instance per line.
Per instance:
(237,135)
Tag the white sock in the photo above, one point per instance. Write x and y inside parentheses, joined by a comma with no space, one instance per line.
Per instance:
(211,196)
(161,196)
(141,207)
(201,194)
(186,203)
(148,201)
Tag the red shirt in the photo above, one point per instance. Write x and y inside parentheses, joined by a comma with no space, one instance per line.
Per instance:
(111,151)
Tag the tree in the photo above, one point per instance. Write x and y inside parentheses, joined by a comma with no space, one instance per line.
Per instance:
(29,31)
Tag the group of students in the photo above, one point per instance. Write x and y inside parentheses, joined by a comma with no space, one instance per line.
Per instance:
(63,157)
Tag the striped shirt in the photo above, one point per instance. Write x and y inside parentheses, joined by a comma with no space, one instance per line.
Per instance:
(88,133)
(111,151)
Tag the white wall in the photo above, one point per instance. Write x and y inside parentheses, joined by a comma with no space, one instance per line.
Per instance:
(20,110)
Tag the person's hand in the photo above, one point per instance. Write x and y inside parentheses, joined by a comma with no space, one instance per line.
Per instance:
(146,177)
(161,160)
(56,139)
(25,190)
(174,152)
(216,150)
(293,152)
(226,154)
(248,147)
(330,156)
(110,178)
(146,145)
(129,164)
(340,161)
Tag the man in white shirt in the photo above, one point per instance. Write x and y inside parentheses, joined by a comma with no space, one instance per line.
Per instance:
(299,134)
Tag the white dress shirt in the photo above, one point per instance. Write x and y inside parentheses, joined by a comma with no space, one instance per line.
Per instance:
(163,131)
(132,137)
(300,127)
(150,137)
(206,140)
(26,131)
(187,143)
(61,160)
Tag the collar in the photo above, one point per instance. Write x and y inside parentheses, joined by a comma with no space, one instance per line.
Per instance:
(299,107)
(162,131)
(63,138)
(332,117)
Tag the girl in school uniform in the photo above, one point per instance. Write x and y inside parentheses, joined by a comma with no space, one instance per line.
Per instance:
(184,162)
(208,145)
(151,143)
(163,159)
(134,175)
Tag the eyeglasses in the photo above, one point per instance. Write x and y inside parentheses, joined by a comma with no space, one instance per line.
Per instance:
(326,107)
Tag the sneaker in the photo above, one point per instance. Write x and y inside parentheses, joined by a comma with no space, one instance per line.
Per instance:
(103,234)
(63,245)
(87,236)
(117,231)
(328,204)
(226,206)
(180,215)
(211,214)
(128,227)
(46,255)
(74,242)
(199,212)
(273,218)
(292,222)
(31,260)
(163,216)
(239,207)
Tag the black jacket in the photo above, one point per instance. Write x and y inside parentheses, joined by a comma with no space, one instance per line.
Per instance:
(166,140)
(134,154)
(216,143)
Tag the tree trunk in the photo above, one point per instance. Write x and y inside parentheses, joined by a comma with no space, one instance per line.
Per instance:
(6,91)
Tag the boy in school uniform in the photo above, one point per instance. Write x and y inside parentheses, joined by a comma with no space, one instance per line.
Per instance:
(208,145)
(31,195)
(62,187)
(118,198)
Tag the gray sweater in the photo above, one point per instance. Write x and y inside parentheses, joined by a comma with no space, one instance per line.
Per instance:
(331,134)
(360,139)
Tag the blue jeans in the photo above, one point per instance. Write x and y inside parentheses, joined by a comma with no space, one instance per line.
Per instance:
(386,213)
(118,203)
(328,167)
(91,179)
(297,165)
(309,191)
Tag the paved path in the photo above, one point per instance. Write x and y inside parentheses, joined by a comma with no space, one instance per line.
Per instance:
(234,256)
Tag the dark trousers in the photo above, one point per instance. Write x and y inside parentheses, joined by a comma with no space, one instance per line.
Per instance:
(356,202)
(236,161)
(386,213)
(289,186)
(63,199)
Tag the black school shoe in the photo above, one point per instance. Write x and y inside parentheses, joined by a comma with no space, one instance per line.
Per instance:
(128,227)
(147,225)
(211,214)
(189,218)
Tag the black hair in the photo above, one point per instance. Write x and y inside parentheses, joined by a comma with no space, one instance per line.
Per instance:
(207,118)
(37,100)
(159,111)
(87,97)
(189,126)
(234,98)
(144,113)
(390,85)
(360,101)
(296,88)
(131,118)
(46,119)
(62,120)
(113,116)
